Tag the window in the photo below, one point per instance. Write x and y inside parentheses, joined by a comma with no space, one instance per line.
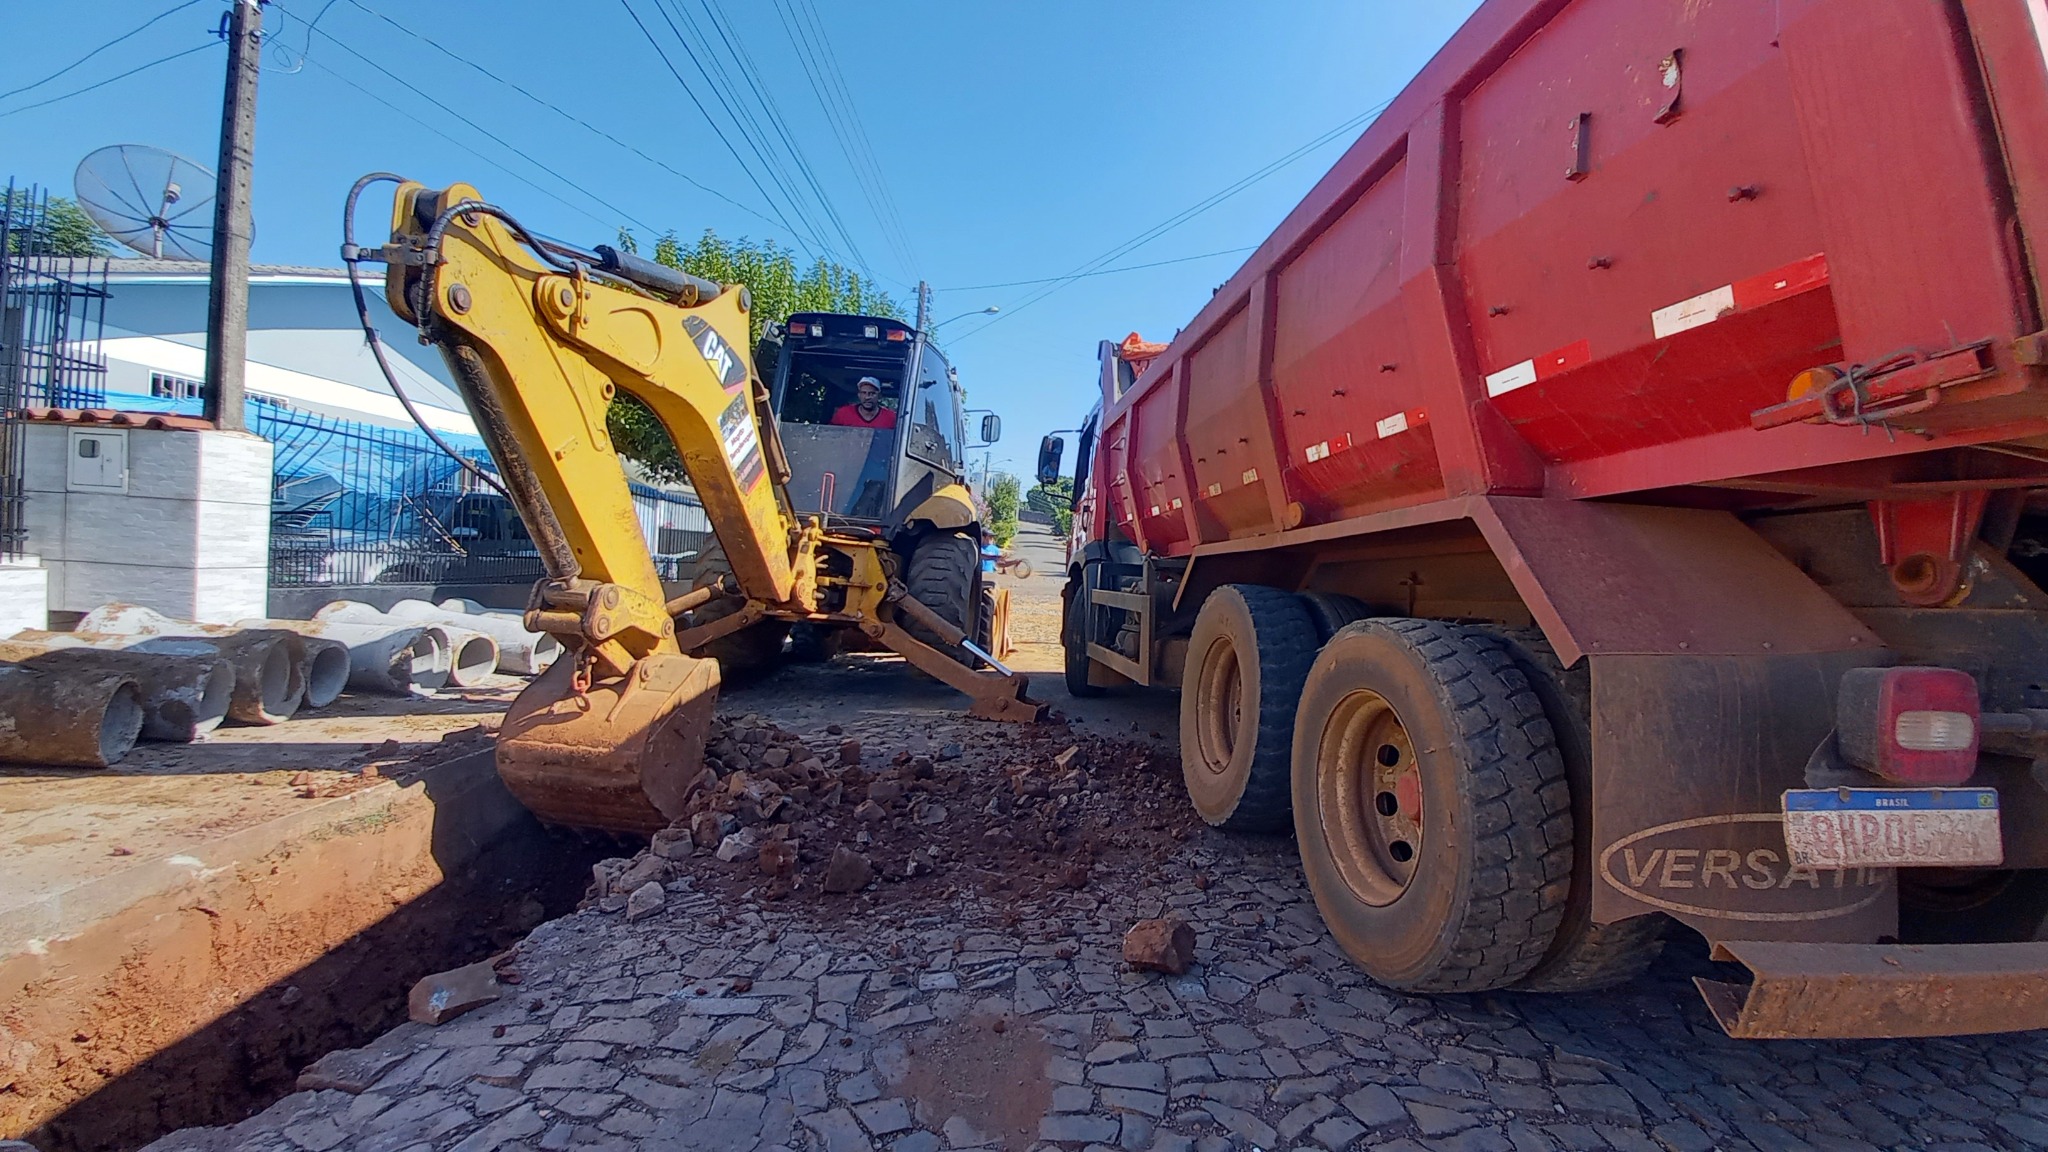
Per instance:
(165,386)
(934,414)
(821,383)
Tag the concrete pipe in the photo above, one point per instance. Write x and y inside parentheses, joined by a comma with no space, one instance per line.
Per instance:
(183,696)
(76,717)
(472,655)
(327,670)
(393,658)
(520,652)
(269,666)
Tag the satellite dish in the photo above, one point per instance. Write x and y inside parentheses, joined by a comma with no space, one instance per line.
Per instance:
(156,202)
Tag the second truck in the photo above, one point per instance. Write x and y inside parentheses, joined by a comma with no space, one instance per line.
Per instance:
(1619,491)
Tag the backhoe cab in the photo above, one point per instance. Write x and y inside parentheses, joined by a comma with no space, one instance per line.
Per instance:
(870,420)
(540,337)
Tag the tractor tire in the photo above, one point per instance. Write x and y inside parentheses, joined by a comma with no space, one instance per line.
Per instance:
(1586,956)
(750,652)
(1331,611)
(941,576)
(1430,806)
(1073,646)
(1250,652)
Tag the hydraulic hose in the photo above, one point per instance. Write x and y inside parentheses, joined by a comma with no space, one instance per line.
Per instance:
(352,256)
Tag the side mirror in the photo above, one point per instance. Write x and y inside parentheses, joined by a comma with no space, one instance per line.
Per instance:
(1050,450)
(991,428)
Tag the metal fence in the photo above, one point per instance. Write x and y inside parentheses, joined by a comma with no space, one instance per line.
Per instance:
(354,503)
(52,315)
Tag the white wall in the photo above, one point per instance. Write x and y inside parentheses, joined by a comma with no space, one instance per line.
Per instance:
(185,529)
(24,595)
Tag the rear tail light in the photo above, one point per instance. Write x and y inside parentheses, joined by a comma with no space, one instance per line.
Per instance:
(1910,725)
(898,334)
(1927,731)
(798,330)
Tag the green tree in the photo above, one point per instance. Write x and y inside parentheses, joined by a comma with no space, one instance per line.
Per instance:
(1002,508)
(64,230)
(778,289)
(1055,500)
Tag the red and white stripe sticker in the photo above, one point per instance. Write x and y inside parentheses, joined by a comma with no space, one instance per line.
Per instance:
(1543,367)
(1741,296)
(1327,448)
(1401,422)
(1692,312)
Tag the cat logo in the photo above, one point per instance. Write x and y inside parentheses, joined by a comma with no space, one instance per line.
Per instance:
(725,363)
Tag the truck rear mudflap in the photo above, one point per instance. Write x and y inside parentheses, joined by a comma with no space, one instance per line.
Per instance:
(1807,991)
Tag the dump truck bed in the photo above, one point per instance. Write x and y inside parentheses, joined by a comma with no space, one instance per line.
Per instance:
(1591,246)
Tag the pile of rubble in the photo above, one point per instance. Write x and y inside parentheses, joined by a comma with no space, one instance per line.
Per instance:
(775,814)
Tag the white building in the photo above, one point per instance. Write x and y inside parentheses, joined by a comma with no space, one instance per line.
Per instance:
(306,346)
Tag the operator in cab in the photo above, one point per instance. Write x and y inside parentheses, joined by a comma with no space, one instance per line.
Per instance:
(866,411)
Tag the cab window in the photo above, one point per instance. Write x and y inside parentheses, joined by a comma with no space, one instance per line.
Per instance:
(820,384)
(934,414)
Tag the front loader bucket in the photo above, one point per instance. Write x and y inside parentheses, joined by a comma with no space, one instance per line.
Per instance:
(619,758)
(1875,991)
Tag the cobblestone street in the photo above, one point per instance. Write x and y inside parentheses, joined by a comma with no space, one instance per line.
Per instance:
(989,1020)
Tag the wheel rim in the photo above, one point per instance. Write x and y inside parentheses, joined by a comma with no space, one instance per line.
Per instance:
(1222,700)
(1369,795)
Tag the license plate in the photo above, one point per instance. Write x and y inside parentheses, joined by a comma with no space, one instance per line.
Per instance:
(1893,827)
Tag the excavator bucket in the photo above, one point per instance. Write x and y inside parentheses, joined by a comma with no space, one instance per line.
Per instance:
(620,756)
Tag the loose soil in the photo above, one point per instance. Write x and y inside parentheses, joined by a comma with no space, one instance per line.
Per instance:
(957,807)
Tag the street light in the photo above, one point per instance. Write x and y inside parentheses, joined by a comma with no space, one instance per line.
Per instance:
(988,311)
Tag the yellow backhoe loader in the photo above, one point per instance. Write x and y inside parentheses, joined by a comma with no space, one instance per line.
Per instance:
(540,337)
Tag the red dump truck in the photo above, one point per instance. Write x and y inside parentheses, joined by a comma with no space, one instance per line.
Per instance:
(1619,492)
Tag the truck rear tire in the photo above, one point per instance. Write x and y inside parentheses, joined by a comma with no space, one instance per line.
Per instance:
(1586,956)
(1074,646)
(941,576)
(1430,806)
(1331,611)
(1250,652)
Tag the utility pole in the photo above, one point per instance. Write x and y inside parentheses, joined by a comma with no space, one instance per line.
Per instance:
(924,307)
(227,295)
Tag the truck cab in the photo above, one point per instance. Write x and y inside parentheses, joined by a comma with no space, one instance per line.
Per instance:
(852,460)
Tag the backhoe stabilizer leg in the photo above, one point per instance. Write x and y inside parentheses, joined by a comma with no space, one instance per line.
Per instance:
(994,695)
(620,756)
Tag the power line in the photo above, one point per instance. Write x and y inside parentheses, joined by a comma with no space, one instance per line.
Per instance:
(110,79)
(720,132)
(571,117)
(132,32)
(763,93)
(1183,216)
(844,120)
(750,131)
(438,131)
(851,109)
(762,142)
(1097,272)
(338,42)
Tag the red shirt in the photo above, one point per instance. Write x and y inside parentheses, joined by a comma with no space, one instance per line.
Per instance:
(849,416)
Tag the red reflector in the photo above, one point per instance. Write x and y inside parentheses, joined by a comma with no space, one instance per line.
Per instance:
(898,334)
(797,330)
(1912,725)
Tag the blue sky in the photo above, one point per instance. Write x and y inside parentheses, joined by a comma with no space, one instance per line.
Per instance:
(1015,141)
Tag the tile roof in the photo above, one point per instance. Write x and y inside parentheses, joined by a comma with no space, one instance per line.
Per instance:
(164,421)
